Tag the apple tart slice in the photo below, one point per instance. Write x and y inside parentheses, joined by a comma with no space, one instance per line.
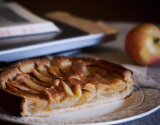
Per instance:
(43,86)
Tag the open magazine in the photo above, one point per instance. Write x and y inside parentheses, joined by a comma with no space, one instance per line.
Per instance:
(17,21)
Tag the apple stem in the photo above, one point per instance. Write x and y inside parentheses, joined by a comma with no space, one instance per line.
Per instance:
(157,41)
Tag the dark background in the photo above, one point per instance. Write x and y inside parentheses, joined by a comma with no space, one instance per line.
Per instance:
(107,10)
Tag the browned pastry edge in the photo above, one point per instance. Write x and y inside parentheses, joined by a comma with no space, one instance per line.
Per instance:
(19,67)
(111,67)
(14,103)
(10,102)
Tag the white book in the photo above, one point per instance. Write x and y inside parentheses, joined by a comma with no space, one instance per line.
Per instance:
(17,21)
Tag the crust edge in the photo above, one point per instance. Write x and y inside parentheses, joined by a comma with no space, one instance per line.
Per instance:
(17,68)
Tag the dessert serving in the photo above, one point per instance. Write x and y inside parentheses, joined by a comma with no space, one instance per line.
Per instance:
(44,86)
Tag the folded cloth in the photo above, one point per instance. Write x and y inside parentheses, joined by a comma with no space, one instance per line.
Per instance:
(141,77)
(89,26)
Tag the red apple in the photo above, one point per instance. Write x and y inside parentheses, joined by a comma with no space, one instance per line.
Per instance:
(143,44)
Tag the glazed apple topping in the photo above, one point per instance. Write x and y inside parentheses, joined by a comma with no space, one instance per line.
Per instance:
(73,80)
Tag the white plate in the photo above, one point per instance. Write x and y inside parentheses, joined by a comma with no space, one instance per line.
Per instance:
(92,112)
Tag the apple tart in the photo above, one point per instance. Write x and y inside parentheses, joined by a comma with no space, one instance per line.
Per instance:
(45,86)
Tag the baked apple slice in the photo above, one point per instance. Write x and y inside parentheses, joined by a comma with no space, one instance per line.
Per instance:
(44,87)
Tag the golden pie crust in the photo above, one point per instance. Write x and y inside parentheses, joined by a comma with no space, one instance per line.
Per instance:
(46,86)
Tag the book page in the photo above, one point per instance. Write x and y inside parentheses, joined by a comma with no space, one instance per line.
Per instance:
(18,21)
(9,17)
